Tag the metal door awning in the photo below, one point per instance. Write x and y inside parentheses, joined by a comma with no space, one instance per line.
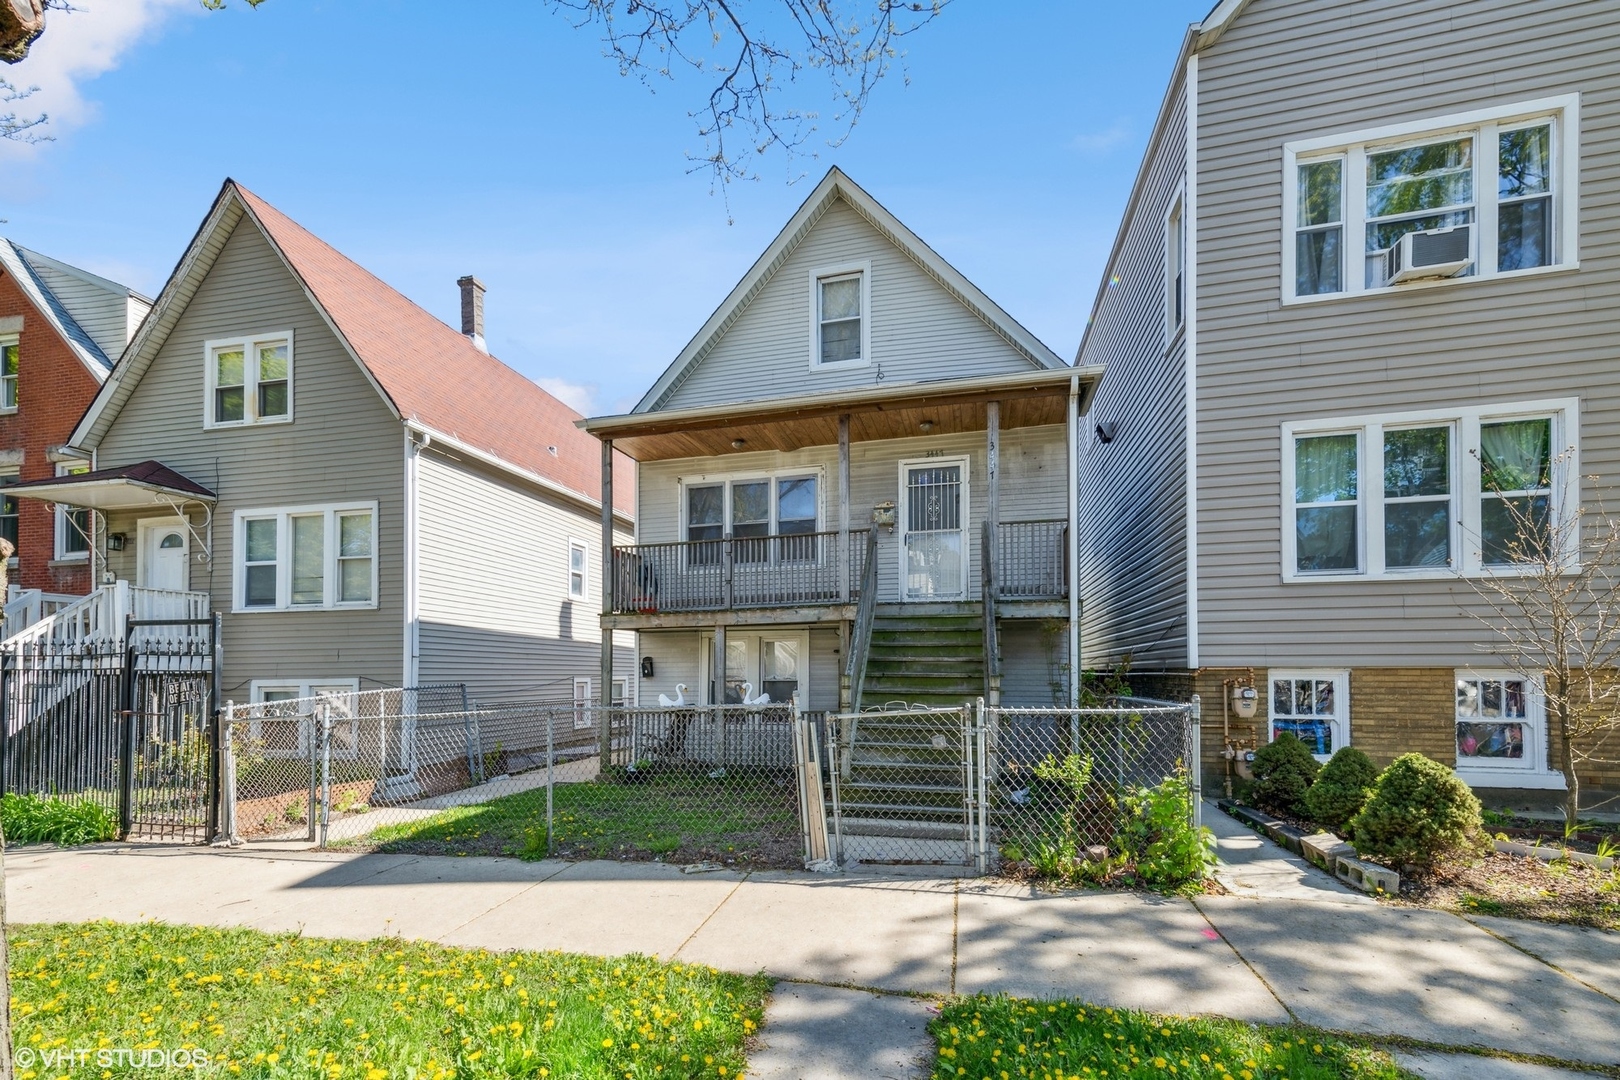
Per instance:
(142,486)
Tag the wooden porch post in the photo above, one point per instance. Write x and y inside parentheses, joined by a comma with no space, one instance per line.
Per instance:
(992,452)
(1072,423)
(990,573)
(604,726)
(717,667)
(843,509)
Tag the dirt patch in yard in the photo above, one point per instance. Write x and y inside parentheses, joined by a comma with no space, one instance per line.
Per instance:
(1520,887)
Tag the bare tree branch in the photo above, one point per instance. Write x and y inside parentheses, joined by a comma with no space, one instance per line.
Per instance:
(755,61)
(20,129)
(1551,605)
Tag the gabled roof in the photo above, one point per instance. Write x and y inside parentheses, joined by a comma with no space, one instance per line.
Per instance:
(22,265)
(431,376)
(834,186)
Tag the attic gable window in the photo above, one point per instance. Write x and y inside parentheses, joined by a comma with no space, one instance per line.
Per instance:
(840,316)
(249,381)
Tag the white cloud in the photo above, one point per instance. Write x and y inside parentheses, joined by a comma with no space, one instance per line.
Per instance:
(1101,142)
(76,47)
(577,396)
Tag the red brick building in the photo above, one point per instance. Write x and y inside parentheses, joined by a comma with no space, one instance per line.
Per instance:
(61,329)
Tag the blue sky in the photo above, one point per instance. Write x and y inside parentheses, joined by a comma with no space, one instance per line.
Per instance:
(513,150)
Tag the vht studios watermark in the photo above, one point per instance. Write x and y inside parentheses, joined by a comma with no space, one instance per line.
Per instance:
(108,1057)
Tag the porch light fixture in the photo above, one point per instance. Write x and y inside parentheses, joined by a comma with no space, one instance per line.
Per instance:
(115,541)
(1106,431)
(738,444)
(926,426)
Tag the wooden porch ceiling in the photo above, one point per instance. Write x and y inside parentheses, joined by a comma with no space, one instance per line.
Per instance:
(946,408)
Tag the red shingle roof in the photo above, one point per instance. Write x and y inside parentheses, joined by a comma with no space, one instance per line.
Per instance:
(436,376)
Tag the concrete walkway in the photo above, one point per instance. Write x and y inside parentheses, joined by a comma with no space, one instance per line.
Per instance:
(1252,865)
(1358,967)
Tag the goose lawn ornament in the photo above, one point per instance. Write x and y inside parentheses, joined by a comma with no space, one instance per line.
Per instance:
(668,702)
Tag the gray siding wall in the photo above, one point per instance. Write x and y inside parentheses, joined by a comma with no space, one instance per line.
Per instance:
(493,594)
(1290,69)
(1133,495)
(102,314)
(1032,485)
(677,658)
(919,330)
(343,445)
(1034,656)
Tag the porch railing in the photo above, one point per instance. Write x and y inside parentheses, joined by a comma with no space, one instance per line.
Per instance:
(735,572)
(1031,560)
(100,616)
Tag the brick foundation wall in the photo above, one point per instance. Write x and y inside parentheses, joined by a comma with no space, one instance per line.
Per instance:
(1393,711)
(53,390)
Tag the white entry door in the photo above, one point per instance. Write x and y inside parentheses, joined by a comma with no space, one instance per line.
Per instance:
(163,548)
(933,522)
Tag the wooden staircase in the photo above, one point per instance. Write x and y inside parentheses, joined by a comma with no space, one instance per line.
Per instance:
(920,657)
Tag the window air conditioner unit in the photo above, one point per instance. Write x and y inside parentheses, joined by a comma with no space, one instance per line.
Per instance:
(1437,253)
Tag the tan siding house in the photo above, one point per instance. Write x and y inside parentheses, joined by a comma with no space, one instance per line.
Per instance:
(366,496)
(1403,270)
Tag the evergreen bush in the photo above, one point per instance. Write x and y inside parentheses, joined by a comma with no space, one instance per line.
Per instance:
(1418,812)
(1284,770)
(1341,789)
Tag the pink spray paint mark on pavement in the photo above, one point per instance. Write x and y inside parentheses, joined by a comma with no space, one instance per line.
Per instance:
(1210,933)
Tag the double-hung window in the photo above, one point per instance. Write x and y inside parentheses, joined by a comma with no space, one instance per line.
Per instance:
(73,526)
(840,316)
(1468,490)
(283,716)
(767,663)
(250,380)
(578,561)
(10,361)
(306,558)
(1503,180)
(769,518)
(9,509)
(1175,267)
(1312,706)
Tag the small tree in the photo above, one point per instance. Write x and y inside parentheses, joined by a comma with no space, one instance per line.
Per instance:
(1549,587)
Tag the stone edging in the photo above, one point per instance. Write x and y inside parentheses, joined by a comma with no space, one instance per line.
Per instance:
(1552,854)
(1323,850)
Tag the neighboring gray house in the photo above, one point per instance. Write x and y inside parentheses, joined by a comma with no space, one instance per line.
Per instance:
(1371,261)
(856,417)
(369,497)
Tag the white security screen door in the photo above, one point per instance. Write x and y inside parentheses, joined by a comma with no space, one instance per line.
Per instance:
(933,547)
(163,553)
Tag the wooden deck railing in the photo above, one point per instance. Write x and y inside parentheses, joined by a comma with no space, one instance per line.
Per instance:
(1031,560)
(734,572)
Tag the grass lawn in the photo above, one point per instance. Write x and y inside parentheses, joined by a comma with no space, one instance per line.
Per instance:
(263,1005)
(1004,1038)
(748,820)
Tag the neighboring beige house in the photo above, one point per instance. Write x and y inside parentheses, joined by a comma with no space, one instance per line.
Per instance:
(367,495)
(856,421)
(1371,260)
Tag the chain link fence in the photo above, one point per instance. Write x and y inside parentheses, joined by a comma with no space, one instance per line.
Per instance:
(397,771)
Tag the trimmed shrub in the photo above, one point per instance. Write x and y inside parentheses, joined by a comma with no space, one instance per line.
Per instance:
(1341,789)
(1418,812)
(1284,770)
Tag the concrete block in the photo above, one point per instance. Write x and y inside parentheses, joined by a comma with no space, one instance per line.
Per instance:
(1324,848)
(1366,876)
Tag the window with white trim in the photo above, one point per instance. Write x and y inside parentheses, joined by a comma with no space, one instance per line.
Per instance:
(621,693)
(840,316)
(582,703)
(73,524)
(1501,724)
(1505,174)
(249,380)
(770,517)
(314,557)
(1312,706)
(578,569)
(768,663)
(10,361)
(283,713)
(1175,265)
(1436,492)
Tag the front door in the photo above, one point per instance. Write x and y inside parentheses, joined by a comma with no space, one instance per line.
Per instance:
(163,549)
(933,522)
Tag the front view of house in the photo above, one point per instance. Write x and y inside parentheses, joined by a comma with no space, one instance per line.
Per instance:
(856,426)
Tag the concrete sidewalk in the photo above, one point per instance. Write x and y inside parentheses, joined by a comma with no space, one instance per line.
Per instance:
(1348,966)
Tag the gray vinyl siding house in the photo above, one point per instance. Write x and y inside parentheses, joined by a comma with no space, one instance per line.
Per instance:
(1285,344)
(463,518)
(943,390)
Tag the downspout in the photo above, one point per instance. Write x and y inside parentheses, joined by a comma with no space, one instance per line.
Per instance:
(413,616)
(1190,358)
(1073,425)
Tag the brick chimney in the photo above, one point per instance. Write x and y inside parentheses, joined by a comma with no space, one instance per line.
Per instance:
(472,310)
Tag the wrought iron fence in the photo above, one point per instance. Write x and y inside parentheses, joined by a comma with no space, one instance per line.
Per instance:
(737,572)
